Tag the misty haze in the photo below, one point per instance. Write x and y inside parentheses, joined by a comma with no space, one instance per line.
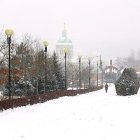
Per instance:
(109,28)
(69,69)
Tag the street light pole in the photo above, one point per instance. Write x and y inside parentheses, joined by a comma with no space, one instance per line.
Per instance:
(65,51)
(89,72)
(65,70)
(101,67)
(102,77)
(97,73)
(79,72)
(45,79)
(9,33)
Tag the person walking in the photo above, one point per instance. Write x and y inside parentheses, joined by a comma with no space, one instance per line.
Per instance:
(106,87)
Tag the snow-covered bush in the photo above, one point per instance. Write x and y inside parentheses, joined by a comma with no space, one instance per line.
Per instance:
(128,83)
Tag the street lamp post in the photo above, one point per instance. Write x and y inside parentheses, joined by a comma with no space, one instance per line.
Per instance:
(9,33)
(45,79)
(97,73)
(79,72)
(101,67)
(89,71)
(65,51)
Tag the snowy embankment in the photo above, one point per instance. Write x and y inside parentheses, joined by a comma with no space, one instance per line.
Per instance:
(92,116)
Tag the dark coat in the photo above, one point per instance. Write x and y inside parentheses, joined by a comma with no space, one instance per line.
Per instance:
(106,87)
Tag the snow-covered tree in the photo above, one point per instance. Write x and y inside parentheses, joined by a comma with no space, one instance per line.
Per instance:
(128,83)
(57,73)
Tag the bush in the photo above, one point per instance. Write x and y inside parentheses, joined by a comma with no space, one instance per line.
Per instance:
(128,83)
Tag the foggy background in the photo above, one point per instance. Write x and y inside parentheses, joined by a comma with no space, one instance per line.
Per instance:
(110,28)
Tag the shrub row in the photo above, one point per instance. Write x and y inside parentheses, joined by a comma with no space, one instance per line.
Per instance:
(40,98)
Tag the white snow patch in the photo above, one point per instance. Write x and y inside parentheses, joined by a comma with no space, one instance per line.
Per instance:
(92,116)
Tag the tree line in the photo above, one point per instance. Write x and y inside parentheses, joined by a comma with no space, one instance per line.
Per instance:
(28,68)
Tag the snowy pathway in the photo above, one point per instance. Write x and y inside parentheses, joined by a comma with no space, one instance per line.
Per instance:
(93,116)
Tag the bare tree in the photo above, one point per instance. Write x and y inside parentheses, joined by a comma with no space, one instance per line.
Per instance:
(129,61)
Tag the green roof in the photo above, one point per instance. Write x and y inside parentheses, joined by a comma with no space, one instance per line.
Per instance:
(64,39)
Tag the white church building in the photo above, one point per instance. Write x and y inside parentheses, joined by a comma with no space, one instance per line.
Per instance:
(64,44)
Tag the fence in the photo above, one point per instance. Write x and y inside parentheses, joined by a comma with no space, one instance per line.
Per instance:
(40,98)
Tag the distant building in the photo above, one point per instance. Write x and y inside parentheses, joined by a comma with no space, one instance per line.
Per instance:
(64,43)
(111,73)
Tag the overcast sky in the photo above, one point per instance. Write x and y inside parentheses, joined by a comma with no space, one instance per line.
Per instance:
(107,27)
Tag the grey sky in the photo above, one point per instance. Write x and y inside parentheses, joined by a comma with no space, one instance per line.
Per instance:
(107,27)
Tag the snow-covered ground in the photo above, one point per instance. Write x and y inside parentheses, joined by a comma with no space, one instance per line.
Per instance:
(93,116)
